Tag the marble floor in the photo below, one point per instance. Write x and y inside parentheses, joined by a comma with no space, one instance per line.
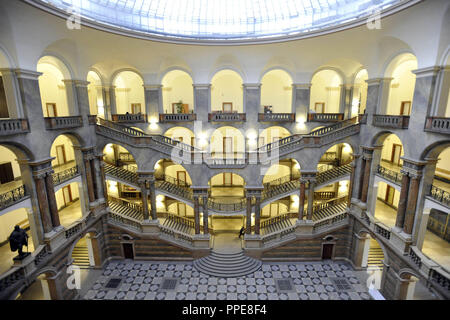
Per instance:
(70,214)
(386,214)
(146,280)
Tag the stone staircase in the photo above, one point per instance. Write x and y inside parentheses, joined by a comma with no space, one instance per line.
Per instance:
(182,192)
(121,174)
(329,208)
(275,224)
(334,173)
(126,208)
(376,256)
(80,254)
(179,224)
(227,265)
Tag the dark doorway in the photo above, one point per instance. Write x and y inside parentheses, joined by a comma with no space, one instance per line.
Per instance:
(128,250)
(327,251)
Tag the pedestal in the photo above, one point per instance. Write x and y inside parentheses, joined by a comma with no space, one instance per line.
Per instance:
(252,241)
(55,238)
(304,226)
(150,226)
(400,241)
(201,241)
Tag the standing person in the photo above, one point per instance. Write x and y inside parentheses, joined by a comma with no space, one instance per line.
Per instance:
(241,232)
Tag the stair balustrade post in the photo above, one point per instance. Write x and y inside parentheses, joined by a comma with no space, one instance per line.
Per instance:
(301,204)
(196,214)
(205,214)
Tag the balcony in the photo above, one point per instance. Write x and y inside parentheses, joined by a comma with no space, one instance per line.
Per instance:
(13,126)
(325,117)
(390,121)
(53,123)
(226,117)
(177,117)
(129,118)
(276,117)
(438,125)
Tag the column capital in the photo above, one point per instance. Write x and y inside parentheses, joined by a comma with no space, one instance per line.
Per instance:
(27,74)
(377,81)
(301,85)
(76,82)
(414,168)
(308,176)
(201,85)
(251,85)
(427,72)
(152,86)
(40,168)
(253,191)
(200,191)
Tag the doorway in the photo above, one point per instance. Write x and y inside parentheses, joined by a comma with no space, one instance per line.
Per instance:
(227,146)
(327,251)
(67,195)
(61,154)
(135,108)
(396,153)
(389,198)
(128,252)
(181,177)
(51,110)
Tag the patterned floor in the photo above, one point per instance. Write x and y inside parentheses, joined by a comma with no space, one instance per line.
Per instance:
(180,281)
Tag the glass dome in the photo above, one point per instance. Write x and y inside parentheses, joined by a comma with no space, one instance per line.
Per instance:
(222,19)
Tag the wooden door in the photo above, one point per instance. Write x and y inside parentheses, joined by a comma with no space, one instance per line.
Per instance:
(227,107)
(128,250)
(227,179)
(319,107)
(181,177)
(61,154)
(389,198)
(227,146)
(6,173)
(181,208)
(67,195)
(135,108)
(396,152)
(327,251)
(4,113)
(405,108)
(51,110)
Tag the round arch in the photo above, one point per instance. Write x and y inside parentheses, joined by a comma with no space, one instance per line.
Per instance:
(6,60)
(168,170)
(227,140)
(326,90)
(227,91)
(177,86)
(276,91)
(58,62)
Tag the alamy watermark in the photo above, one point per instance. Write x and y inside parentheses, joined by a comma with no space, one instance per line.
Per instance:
(374,19)
(73,22)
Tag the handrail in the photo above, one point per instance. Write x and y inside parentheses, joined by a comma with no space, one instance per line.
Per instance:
(274,220)
(12,196)
(440,195)
(65,175)
(329,203)
(391,175)
(182,220)
(136,207)
(174,181)
(120,172)
(333,173)
(227,207)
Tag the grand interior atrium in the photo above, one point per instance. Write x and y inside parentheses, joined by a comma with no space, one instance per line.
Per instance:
(225,150)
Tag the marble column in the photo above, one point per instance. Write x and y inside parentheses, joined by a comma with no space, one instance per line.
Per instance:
(89,179)
(345,101)
(50,189)
(352,179)
(443,92)
(424,96)
(205,214)
(144,194)
(411,204)
(310,199)
(252,101)
(361,177)
(248,227)
(153,102)
(94,180)
(196,215)
(152,188)
(301,203)
(365,186)
(401,210)
(301,100)
(385,84)
(257,213)
(202,101)
(103,177)
(41,191)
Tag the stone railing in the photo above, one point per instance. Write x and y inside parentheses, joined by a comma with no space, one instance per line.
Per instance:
(219,160)
(376,226)
(390,175)
(362,118)
(13,126)
(121,173)
(325,117)
(53,123)
(440,195)
(125,221)
(92,119)
(390,121)
(13,196)
(437,124)
(337,219)
(226,117)
(129,118)
(324,195)
(278,236)
(276,117)
(176,235)
(177,117)
(333,173)
(275,220)
(227,207)
(65,175)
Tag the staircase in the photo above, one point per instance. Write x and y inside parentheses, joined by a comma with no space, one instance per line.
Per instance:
(126,208)
(275,224)
(182,192)
(334,173)
(276,190)
(329,209)
(376,256)
(179,224)
(80,254)
(227,265)
(121,174)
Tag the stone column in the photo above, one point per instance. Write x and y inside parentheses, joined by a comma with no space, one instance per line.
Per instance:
(82,98)
(196,214)
(361,177)
(202,101)
(72,99)
(205,213)
(301,100)
(301,203)
(248,227)
(365,186)
(352,179)
(151,182)
(41,190)
(52,199)
(424,97)
(385,84)
(89,178)
(153,101)
(345,101)
(94,179)
(442,92)
(144,193)
(411,204)
(252,101)
(401,210)
(12,93)
(257,213)
(103,177)
(310,199)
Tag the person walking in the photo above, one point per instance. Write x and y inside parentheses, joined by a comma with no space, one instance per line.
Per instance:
(241,232)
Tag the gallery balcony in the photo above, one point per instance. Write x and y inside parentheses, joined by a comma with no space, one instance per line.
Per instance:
(390,121)
(13,126)
(129,118)
(438,125)
(226,117)
(276,117)
(325,117)
(177,117)
(54,123)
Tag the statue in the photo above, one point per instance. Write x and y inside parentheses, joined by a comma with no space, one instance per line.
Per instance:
(17,240)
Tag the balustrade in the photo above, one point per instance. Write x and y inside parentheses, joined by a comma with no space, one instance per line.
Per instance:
(437,124)
(13,126)
(53,123)
(391,121)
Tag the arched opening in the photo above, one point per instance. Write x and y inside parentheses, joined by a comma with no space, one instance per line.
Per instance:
(227,92)
(181,134)
(392,152)
(42,288)
(443,104)
(272,134)
(15,204)
(387,198)
(325,93)
(359,100)
(227,143)
(336,156)
(55,92)
(129,92)
(86,253)
(401,89)
(178,93)
(95,95)
(276,92)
